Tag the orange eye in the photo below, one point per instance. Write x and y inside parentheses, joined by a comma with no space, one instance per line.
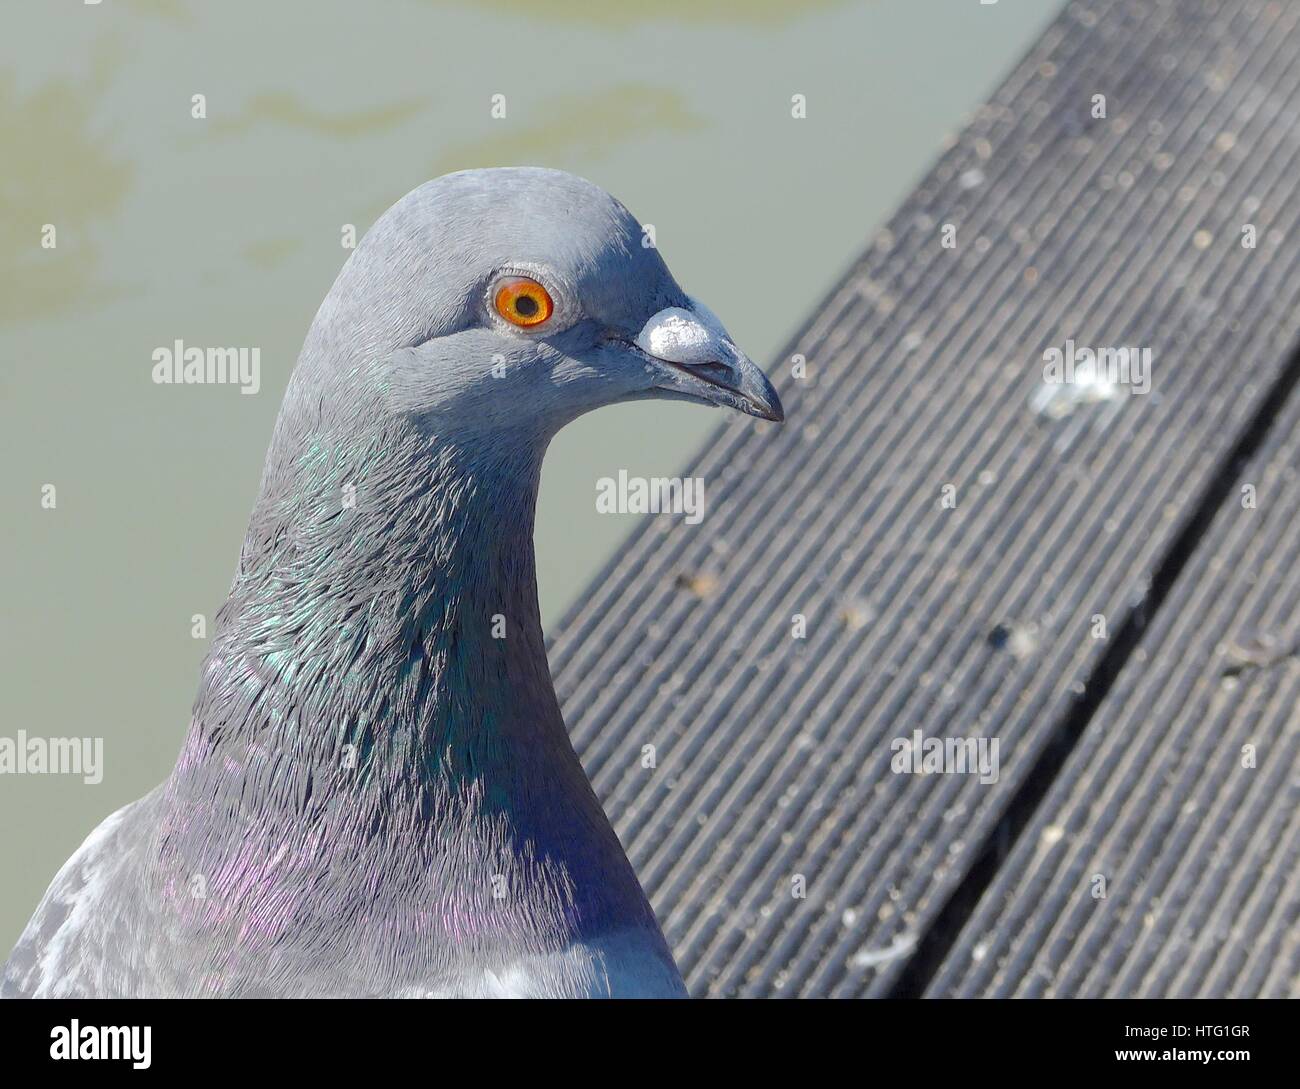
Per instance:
(522,301)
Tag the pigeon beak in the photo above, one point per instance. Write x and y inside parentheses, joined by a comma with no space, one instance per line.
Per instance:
(693,355)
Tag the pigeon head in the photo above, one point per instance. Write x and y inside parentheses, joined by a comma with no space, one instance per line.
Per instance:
(518,299)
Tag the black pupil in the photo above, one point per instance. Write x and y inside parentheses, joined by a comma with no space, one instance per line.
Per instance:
(525,306)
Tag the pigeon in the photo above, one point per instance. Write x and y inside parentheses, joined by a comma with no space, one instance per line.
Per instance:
(377,795)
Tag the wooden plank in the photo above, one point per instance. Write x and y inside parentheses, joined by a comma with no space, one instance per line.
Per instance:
(1165,861)
(773,753)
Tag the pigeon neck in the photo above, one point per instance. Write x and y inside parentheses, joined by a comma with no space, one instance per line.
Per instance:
(383,630)
(376,729)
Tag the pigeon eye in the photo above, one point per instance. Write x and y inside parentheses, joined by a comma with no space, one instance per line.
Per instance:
(523,302)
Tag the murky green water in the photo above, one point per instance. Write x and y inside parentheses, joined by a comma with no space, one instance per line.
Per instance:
(226,231)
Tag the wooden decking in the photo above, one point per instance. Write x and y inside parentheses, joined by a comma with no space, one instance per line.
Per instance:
(1076,571)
